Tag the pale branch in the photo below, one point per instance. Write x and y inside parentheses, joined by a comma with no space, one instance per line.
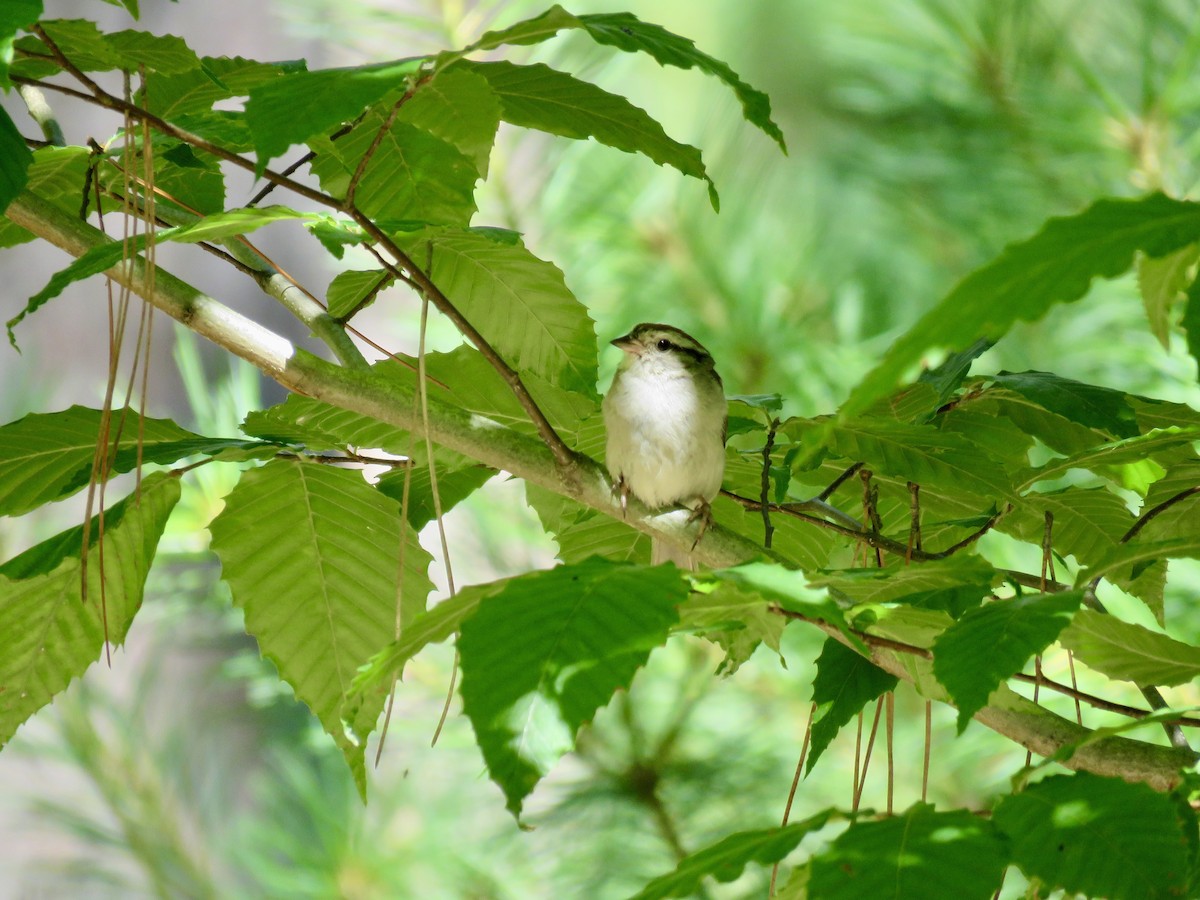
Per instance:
(492,444)
(1046,733)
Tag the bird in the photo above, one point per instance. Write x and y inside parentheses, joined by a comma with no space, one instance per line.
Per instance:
(665,420)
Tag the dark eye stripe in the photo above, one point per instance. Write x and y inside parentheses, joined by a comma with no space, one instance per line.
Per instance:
(699,356)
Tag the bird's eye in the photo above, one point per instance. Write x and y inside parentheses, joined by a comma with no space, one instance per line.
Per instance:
(663,344)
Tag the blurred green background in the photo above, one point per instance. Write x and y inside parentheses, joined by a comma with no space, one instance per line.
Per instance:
(923,135)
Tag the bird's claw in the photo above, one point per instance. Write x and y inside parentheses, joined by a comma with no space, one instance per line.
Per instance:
(701,513)
(621,489)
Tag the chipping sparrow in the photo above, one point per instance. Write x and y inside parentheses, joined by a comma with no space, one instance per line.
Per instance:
(665,418)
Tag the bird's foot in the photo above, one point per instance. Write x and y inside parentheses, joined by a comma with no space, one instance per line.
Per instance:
(621,489)
(701,513)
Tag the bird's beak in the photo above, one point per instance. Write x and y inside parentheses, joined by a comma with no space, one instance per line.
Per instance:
(626,343)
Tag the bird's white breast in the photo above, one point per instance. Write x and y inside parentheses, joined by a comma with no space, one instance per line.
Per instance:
(665,435)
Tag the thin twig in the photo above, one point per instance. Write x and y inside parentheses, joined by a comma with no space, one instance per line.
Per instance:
(839,481)
(787,809)
(765,495)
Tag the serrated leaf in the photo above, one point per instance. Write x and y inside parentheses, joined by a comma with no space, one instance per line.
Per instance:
(922,454)
(309,553)
(1161,281)
(1116,453)
(1129,651)
(728,858)
(922,853)
(845,682)
(455,484)
(1088,404)
(15,159)
(459,107)
(627,32)
(736,620)
(14,16)
(48,456)
(1101,837)
(521,305)
(544,654)
(1180,515)
(540,97)
(1056,265)
(81,42)
(411,175)
(581,532)
(527,31)
(373,680)
(790,591)
(56,175)
(349,289)
(302,105)
(166,53)
(976,654)
(1137,553)
(48,634)
(105,256)
(898,582)
(948,377)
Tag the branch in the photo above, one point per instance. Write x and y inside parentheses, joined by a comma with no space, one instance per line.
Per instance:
(529,458)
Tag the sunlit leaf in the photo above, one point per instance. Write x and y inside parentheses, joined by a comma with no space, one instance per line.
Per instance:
(1057,265)
(543,655)
(1129,651)
(1161,282)
(48,634)
(309,552)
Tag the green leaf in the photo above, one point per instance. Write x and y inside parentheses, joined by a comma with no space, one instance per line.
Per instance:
(1191,319)
(1088,404)
(1128,651)
(460,108)
(728,858)
(81,42)
(302,105)
(844,684)
(1056,265)
(977,653)
(1161,281)
(1138,553)
(1180,517)
(790,591)
(48,634)
(1100,837)
(541,656)
(922,454)
(627,32)
(14,16)
(15,160)
(949,376)
(581,532)
(521,305)
(898,582)
(55,175)
(411,176)
(528,31)
(105,256)
(540,97)
(162,53)
(1116,453)
(922,853)
(310,553)
(431,627)
(455,484)
(192,180)
(736,619)
(321,426)
(48,456)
